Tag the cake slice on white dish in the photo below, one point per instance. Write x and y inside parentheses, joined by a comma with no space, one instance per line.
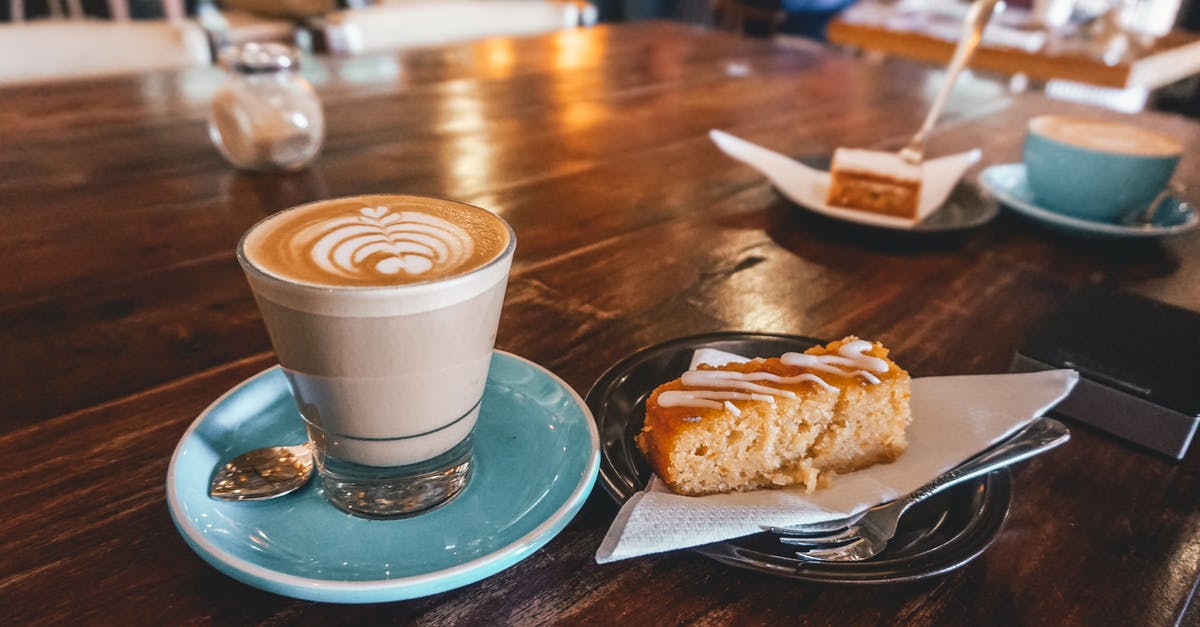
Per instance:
(874,181)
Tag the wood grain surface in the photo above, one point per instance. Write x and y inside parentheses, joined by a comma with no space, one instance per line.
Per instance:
(123,313)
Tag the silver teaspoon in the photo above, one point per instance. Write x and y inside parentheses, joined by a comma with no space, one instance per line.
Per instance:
(263,473)
(1145,217)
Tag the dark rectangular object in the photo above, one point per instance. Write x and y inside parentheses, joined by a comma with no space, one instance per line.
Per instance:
(1137,359)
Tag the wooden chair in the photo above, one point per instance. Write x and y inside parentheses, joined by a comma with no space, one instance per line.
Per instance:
(395,24)
(235,25)
(762,19)
(68,45)
(118,10)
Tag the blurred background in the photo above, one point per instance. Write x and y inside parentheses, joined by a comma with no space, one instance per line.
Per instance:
(1146,53)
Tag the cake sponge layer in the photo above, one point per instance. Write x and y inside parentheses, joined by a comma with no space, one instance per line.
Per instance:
(878,182)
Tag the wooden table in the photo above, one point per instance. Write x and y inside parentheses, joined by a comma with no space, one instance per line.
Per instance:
(1164,60)
(124,314)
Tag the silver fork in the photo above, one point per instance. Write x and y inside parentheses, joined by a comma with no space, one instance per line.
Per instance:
(870,534)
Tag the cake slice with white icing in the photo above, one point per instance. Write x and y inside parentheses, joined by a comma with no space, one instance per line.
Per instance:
(874,181)
(789,420)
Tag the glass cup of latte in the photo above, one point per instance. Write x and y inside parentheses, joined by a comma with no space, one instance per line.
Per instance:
(383,313)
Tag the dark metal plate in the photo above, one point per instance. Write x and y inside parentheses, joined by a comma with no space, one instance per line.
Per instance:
(935,537)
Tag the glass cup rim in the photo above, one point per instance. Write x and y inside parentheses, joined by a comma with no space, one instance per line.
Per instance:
(249,266)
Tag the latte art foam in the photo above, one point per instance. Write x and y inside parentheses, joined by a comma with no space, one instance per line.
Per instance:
(382,242)
(1104,136)
(376,241)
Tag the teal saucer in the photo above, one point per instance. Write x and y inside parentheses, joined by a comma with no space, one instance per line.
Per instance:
(1007,182)
(536,459)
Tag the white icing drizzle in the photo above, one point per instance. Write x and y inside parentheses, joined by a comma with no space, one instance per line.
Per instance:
(716,388)
(851,355)
(710,399)
(403,241)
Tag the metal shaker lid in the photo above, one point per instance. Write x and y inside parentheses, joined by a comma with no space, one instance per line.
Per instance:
(260,58)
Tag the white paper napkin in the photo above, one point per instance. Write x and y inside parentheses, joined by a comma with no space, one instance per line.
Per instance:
(954,418)
(809,187)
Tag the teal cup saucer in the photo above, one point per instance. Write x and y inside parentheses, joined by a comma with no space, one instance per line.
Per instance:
(1009,184)
(536,459)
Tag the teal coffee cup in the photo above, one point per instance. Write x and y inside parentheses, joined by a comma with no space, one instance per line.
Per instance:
(1094,169)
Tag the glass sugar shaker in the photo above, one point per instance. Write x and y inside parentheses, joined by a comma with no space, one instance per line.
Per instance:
(266,117)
